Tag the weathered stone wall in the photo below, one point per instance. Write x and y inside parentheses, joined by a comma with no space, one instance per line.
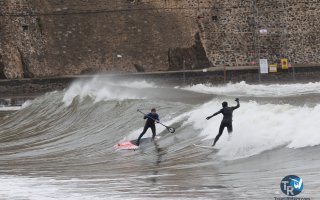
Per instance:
(230,31)
(72,37)
(226,33)
(41,38)
(304,31)
(21,41)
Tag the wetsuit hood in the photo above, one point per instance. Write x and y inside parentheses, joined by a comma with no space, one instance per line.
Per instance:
(224,104)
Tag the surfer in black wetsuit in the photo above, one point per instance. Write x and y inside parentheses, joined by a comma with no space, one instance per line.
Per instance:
(152,118)
(227,118)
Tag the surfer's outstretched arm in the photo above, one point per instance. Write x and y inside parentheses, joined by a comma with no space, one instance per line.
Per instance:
(238,104)
(214,114)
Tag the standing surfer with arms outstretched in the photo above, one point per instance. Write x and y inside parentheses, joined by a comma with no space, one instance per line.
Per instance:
(152,118)
(227,118)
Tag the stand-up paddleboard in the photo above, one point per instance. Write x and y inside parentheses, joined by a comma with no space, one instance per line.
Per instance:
(206,147)
(126,146)
(131,145)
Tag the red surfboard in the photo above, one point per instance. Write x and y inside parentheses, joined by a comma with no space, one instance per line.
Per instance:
(131,145)
(126,146)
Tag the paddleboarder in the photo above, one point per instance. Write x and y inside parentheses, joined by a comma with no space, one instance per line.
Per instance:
(152,118)
(227,118)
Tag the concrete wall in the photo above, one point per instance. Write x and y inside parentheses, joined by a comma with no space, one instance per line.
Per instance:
(37,86)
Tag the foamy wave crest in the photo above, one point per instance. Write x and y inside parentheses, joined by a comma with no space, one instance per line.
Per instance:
(10,108)
(258,128)
(101,89)
(244,89)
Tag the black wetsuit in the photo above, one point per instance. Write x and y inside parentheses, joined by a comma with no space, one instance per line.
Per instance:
(226,121)
(150,123)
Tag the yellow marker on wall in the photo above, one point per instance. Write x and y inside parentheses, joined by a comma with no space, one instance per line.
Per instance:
(273,68)
(284,63)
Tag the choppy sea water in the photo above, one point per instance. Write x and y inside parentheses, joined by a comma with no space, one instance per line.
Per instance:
(61,145)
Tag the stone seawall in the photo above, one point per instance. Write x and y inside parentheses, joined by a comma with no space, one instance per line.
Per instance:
(32,87)
(46,38)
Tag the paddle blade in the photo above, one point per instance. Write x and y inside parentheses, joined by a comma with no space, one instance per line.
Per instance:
(171,130)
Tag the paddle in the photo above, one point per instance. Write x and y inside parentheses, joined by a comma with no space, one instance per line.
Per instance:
(170,129)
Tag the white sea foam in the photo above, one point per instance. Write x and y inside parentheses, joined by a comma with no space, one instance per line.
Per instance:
(26,104)
(101,89)
(259,90)
(258,128)
(9,108)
